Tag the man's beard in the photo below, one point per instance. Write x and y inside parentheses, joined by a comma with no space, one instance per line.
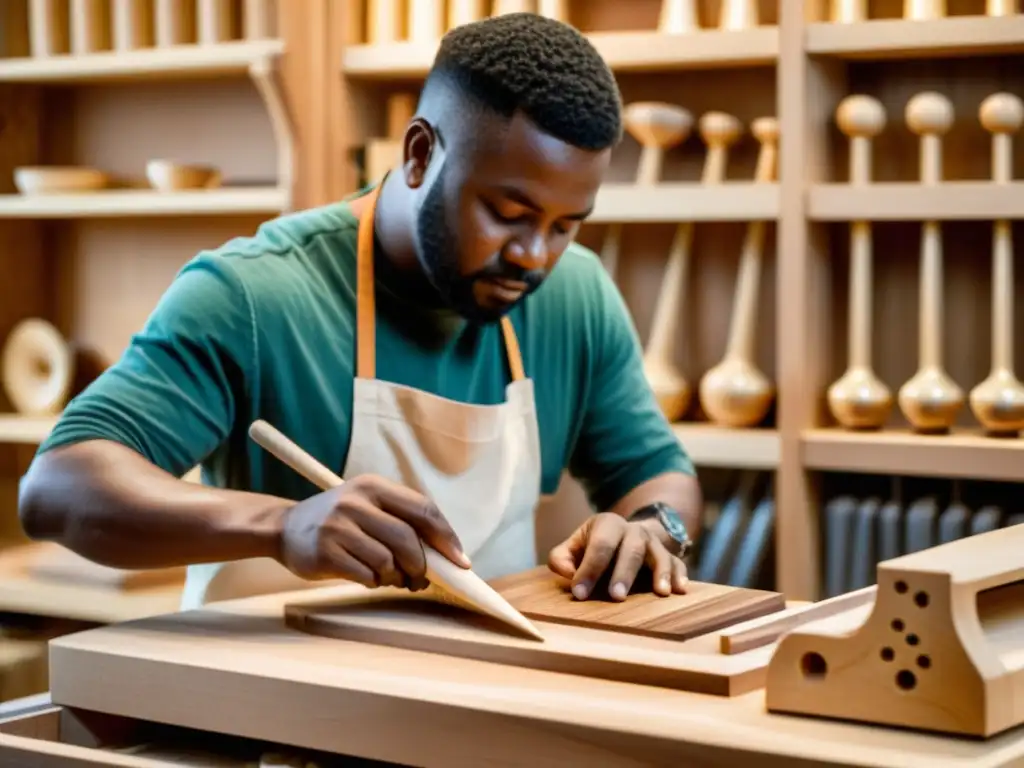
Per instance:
(438,250)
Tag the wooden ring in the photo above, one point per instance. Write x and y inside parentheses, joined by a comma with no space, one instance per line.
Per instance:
(37,368)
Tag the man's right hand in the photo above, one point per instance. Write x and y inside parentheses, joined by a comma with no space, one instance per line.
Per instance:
(368,530)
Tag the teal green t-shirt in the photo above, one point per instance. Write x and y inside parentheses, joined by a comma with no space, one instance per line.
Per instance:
(263,327)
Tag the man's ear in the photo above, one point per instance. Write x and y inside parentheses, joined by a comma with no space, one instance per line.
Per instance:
(419,146)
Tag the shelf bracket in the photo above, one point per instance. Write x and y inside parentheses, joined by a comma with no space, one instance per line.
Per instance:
(266,77)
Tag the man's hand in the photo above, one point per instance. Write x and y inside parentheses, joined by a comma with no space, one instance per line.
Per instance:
(585,556)
(369,531)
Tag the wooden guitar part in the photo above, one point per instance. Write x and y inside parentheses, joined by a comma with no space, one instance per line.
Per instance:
(941,649)
(465,12)
(766,630)
(678,17)
(37,368)
(389,617)
(426,20)
(1002,8)
(859,399)
(216,21)
(930,400)
(924,10)
(384,154)
(449,582)
(998,401)
(553,9)
(735,392)
(738,14)
(47,27)
(541,595)
(383,21)
(90,26)
(132,24)
(848,11)
(175,22)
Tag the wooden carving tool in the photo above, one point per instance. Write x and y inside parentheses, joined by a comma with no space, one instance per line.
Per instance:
(426,20)
(998,401)
(383,21)
(930,400)
(464,12)
(553,9)
(1001,8)
(678,17)
(656,126)
(670,387)
(738,14)
(735,393)
(923,10)
(859,400)
(940,650)
(765,630)
(454,584)
(848,11)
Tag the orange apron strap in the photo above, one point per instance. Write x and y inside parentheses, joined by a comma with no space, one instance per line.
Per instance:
(366,309)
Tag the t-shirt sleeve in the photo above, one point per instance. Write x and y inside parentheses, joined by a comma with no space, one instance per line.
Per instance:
(173,394)
(624,439)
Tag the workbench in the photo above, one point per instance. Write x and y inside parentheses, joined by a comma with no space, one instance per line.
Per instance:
(234,670)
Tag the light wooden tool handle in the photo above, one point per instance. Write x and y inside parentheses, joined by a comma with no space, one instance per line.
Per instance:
(1001,8)
(673,283)
(922,10)
(553,9)
(456,585)
(426,20)
(678,17)
(848,11)
(738,14)
(384,21)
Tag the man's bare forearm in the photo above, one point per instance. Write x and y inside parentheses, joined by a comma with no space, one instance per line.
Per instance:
(109,504)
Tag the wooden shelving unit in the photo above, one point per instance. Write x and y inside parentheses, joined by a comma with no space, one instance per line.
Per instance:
(119,203)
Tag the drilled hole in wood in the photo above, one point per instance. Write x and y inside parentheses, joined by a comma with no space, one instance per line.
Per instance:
(888,654)
(813,665)
(901,587)
(924,662)
(906,679)
(897,624)
(913,639)
(921,599)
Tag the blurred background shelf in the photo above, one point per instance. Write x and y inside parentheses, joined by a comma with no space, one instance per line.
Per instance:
(713,446)
(120,203)
(894,201)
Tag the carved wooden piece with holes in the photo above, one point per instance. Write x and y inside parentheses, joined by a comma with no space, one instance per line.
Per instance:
(941,649)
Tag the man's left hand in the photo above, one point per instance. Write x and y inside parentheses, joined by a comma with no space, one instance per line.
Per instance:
(608,540)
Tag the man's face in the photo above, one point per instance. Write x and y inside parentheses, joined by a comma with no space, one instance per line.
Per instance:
(499,214)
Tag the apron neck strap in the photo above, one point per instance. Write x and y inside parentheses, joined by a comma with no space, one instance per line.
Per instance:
(366,307)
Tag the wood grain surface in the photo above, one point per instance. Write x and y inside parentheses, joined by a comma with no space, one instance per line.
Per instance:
(539,594)
(399,619)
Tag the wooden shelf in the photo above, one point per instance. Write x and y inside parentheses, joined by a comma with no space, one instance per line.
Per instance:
(951,200)
(135,202)
(898,39)
(713,446)
(29,430)
(959,454)
(669,201)
(624,52)
(175,62)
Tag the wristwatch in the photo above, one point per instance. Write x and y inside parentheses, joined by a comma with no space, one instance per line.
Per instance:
(670,520)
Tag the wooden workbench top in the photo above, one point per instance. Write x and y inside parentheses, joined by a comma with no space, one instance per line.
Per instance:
(235,668)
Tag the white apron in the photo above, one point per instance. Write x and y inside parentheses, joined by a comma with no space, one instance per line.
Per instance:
(481,465)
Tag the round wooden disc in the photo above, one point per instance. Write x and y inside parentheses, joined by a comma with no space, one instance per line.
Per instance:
(37,368)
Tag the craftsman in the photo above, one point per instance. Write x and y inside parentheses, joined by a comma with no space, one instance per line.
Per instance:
(418,339)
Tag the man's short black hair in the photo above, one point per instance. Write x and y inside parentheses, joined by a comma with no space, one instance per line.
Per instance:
(542,67)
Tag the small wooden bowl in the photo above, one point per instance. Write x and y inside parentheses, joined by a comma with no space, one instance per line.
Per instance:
(37,368)
(57,179)
(169,176)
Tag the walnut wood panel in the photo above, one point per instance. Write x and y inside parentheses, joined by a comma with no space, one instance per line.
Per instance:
(402,620)
(538,594)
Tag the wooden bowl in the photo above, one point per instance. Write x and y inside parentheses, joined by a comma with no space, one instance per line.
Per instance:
(169,176)
(37,368)
(57,179)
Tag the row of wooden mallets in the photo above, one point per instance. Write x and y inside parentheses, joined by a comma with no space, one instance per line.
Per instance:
(735,392)
(931,401)
(389,21)
(89,26)
(854,11)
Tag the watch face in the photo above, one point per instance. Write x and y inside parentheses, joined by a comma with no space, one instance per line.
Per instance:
(673,524)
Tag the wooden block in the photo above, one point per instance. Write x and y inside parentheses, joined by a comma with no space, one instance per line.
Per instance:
(400,619)
(539,594)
